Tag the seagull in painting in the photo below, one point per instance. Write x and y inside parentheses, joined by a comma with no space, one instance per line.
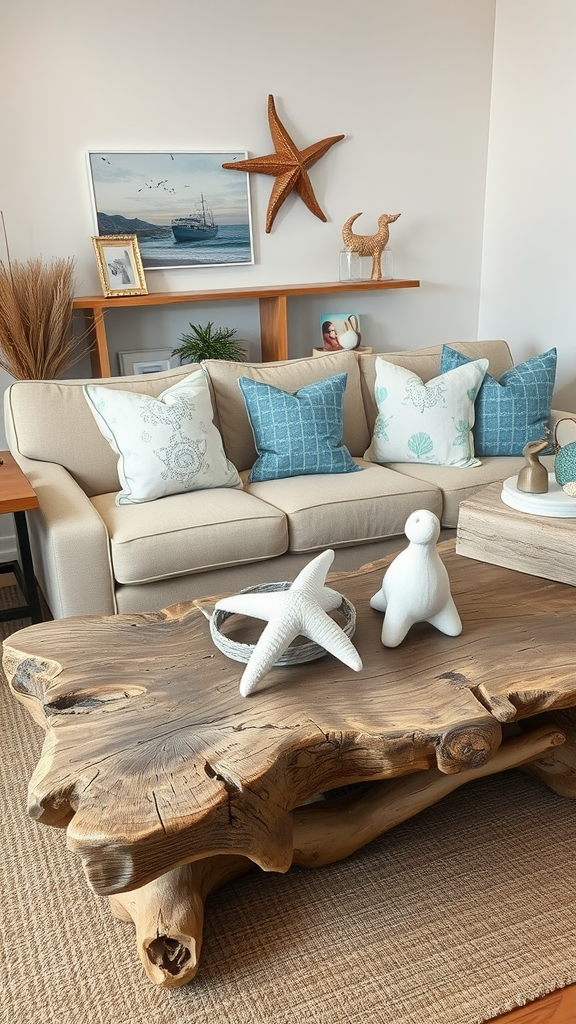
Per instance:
(158,184)
(302,610)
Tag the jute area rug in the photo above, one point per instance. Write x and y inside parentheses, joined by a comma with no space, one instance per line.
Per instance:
(455,917)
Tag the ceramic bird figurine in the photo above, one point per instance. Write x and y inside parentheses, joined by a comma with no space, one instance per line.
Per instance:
(415,587)
(533,477)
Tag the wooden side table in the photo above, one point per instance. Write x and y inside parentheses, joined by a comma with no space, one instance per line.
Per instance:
(16,496)
(493,532)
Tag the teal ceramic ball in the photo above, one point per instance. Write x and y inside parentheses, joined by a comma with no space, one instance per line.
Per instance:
(565,464)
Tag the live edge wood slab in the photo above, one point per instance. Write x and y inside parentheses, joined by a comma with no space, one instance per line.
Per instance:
(169,782)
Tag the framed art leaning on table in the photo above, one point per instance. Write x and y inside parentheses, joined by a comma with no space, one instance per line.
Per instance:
(120,265)
(146,361)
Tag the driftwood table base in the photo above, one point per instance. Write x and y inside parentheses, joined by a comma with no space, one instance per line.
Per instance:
(168,913)
(169,783)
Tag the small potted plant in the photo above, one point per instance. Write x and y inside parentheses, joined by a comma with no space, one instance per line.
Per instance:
(205,343)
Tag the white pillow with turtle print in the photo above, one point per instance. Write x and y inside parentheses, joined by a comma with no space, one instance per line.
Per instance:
(430,422)
(166,445)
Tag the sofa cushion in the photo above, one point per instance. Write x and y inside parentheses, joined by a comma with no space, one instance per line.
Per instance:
(62,428)
(186,533)
(430,423)
(456,486)
(297,434)
(166,445)
(513,410)
(288,375)
(426,364)
(337,511)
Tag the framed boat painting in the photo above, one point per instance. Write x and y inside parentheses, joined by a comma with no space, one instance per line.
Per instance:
(183,207)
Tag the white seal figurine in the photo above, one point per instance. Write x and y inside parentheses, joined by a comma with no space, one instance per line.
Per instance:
(415,587)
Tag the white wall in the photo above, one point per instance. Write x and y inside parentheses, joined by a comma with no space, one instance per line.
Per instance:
(407,82)
(529,259)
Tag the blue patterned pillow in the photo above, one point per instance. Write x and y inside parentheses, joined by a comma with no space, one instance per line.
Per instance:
(297,434)
(514,409)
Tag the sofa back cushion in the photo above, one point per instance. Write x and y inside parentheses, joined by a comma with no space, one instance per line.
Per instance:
(425,363)
(290,375)
(50,420)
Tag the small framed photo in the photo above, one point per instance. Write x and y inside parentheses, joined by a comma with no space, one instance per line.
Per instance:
(149,361)
(340,331)
(120,265)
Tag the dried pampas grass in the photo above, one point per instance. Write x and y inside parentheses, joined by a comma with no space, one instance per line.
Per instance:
(36,319)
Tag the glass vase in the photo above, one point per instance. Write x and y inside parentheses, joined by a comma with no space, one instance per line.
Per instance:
(350,266)
(387,264)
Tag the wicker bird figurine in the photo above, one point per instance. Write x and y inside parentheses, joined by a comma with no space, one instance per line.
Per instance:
(369,245)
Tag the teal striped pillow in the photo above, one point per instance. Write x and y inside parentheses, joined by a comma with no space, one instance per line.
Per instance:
(297,434)
(515,408)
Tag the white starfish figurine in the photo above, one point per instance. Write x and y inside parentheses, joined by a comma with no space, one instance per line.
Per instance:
(302,610)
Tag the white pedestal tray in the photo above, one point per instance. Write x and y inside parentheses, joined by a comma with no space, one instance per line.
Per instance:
(555,503)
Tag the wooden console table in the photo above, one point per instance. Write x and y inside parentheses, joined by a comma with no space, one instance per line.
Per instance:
(272,300)
(169,782)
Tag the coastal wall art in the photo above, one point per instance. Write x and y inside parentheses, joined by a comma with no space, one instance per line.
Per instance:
(185,210)
(289,166)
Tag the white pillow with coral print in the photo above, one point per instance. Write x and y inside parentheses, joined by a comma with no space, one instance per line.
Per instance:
(166,445)
(430,422)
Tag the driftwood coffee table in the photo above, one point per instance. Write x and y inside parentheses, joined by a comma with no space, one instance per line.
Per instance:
(169,782)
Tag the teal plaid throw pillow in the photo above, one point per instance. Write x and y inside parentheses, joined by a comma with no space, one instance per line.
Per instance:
(514,409)
(297,434)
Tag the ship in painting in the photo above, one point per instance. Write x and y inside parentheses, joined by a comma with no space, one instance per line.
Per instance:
(196,227)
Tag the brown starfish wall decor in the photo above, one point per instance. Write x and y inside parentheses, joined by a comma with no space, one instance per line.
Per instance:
(289,165)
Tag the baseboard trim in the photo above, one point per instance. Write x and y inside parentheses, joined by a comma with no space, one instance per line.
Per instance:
(8,542)
(8,549)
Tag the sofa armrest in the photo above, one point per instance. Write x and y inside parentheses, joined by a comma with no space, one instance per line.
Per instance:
(70,544)
(557,414)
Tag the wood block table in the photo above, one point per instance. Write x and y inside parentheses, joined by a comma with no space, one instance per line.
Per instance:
(169,782)
(493,532)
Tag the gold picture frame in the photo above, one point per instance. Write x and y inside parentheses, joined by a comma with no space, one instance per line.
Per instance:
(119,265)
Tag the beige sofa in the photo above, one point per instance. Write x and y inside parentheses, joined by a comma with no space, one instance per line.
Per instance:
(94,557)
